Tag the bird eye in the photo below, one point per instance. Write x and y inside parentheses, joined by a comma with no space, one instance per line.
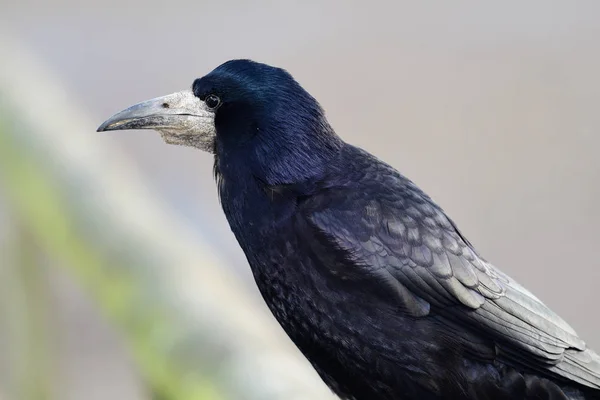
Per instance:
(212,101)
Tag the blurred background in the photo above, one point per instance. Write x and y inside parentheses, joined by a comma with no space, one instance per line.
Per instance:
(119,276)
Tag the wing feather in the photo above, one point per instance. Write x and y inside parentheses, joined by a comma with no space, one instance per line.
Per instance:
(407,242)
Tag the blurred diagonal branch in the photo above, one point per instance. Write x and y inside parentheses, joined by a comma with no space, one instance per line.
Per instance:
(194,332)
(35,353)
(24,313)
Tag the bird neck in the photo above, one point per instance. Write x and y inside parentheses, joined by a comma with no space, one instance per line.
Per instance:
(300,154)
(245,203)
(256,206)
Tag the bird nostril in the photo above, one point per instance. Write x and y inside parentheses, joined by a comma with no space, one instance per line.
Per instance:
(165,105)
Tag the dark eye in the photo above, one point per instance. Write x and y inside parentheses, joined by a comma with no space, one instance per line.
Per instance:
(212,101)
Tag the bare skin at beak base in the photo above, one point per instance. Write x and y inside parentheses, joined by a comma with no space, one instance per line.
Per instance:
(181,118)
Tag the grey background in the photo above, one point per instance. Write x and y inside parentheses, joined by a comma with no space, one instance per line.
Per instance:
(490,108)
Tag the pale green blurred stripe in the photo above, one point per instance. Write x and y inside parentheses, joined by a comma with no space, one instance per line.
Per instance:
(48,218)
(24,316)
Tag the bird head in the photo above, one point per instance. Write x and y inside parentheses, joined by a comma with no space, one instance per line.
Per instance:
(253,113)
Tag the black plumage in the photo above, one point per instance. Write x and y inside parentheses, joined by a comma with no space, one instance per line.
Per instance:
(369,277)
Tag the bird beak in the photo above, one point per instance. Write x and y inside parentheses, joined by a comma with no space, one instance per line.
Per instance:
(181,118)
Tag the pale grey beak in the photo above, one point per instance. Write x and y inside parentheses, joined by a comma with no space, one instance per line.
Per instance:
(181,118)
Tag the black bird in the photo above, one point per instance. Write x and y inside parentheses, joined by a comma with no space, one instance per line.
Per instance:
(368,276)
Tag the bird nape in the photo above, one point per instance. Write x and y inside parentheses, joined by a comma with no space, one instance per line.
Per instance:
(371,280)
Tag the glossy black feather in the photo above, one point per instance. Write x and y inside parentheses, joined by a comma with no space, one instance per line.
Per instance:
(365,273)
